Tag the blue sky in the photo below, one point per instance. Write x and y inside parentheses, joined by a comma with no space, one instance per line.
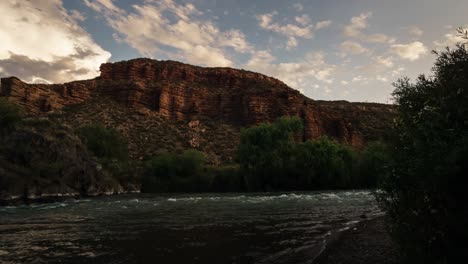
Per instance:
(331,50)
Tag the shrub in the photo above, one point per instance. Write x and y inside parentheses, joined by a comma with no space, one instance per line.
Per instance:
(373,164)
(425,195)
(10,115)
(170,172)
(105,143)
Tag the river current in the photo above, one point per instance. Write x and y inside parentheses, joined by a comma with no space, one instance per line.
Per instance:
(183,228)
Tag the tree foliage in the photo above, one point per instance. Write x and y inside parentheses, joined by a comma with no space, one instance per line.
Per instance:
(10,115)
(171,172)
(425,195)
(271,159)
(105,143)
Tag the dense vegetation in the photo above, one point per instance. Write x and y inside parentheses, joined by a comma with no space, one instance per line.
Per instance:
(425,193)
(271,159)
(170,172)
(10,115)
(108,145)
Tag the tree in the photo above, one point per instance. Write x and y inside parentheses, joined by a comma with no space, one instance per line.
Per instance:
(264,152)
(10,115)
(425,193)
(169,172)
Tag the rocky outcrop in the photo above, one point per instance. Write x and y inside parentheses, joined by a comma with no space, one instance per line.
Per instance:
(185,93)
(41,159)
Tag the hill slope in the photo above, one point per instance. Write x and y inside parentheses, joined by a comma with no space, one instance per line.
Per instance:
(185,93)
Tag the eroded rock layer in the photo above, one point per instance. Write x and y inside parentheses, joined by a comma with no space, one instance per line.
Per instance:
(185,93)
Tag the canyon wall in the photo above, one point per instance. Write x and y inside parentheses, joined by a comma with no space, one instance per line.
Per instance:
(184,92)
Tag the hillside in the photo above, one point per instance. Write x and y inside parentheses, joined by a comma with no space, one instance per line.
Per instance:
(185,93)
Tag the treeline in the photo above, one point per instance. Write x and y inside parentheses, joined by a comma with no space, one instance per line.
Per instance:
(270,159)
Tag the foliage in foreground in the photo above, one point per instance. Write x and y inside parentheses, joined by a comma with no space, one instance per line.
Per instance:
(425,195)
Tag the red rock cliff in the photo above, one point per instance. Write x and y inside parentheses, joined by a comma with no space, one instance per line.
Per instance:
(185,92)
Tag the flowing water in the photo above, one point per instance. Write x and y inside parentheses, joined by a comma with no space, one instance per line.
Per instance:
(190,228)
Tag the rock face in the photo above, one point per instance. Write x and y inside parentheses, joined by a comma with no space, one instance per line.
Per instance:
(184,92)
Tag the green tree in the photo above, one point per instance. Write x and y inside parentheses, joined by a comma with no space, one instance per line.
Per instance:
(171,172)
(326,163)
(10,115)
(265,150)
(425,195)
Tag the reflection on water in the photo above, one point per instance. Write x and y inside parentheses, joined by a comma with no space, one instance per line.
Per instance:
(201,228)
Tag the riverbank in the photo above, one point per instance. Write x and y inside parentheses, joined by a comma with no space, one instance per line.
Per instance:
(366,243)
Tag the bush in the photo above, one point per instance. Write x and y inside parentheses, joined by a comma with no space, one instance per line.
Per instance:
(425,195)
(172,173)
(373,165)
(105,143)
(10,115)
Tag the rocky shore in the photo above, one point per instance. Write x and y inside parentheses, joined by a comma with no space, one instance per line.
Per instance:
(365,243)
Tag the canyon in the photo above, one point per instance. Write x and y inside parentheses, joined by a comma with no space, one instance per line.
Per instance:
(187,93)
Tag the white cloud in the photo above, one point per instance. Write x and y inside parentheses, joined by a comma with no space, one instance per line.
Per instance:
(323,24)
(290,30)
(292,42)
(378,65)
(358,24)
(351,47)
(303,20)
(300,74)
(415,31)
(69,52)
(305,29)
(411,51)
(156,25)
(359,78)
(381,78)
(298,6)
(378,38)
(450,40)
(385,61)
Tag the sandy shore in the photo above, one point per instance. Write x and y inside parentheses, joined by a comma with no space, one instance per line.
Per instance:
(365,243)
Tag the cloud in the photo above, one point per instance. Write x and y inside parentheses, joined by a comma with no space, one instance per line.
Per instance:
(358,24)
(351,47)
(304,30)
(178,31)
(411,51)
(300,75)
(450,40)
(415,31)
(323,24)
(43,41)
(292,42)
(303,20)
(298,6)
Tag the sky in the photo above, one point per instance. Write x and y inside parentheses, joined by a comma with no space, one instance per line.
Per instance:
(328,50)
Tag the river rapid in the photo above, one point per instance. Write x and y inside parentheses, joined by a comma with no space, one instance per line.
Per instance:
(183,228)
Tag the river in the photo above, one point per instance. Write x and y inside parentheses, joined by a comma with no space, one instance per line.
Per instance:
(180,228)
